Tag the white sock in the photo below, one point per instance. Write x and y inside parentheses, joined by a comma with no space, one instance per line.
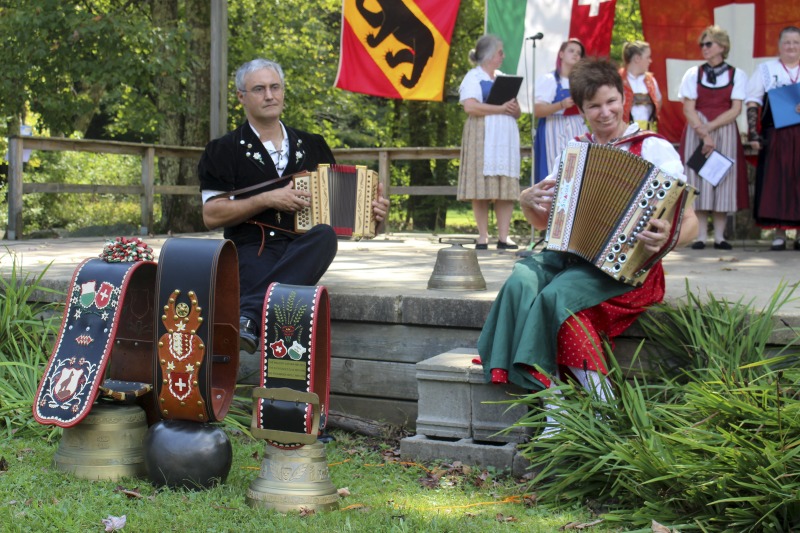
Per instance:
(592,382)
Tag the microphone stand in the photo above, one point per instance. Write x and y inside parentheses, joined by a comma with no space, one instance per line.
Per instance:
(529,250)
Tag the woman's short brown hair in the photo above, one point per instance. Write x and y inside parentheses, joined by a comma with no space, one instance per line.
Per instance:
(719,36)
(589,75)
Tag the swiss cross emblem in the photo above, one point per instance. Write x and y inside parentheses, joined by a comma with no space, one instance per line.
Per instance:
(103,295)
(278,348)
(180,384)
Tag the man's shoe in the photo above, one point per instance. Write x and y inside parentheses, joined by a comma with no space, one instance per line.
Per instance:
(724,245)
(248,335)
(797,244)
(698,245)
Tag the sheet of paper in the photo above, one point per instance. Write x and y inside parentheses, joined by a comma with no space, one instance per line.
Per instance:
(715,167)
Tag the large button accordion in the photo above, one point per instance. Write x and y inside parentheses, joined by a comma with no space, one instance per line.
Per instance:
(341,196)
(603,198)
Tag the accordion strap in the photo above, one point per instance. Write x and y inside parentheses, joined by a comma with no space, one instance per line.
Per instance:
(108,317)
(198,334)
(291,406)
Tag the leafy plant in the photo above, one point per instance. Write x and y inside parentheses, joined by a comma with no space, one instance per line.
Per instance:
(713,448)
(25,327)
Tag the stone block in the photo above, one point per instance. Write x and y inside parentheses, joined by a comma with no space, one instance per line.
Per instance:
(444,406)
(421,448)
(492,410)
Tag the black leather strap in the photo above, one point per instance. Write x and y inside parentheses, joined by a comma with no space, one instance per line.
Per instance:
(291,406)
(197,328)
(108,316)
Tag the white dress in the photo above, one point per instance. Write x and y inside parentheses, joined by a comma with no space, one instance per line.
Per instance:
(490,151)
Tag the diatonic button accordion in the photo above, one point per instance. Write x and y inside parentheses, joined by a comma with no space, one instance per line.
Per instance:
(603,198)
(341,196)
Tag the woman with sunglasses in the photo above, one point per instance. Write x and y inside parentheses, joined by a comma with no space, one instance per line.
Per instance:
(712,96)
(777,200)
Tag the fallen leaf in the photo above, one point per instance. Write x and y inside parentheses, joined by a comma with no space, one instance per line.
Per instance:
(307,512)
(502,518)
(344,492)
(580,525)
(3,464)
(529,500)
(128,492)
(470,515)
(355,506)
(658,528)
(114,523)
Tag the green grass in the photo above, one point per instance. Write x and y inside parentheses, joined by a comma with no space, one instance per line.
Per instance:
(384,495)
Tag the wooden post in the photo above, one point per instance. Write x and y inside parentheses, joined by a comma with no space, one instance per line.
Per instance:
(15,159)
(219,68)
(148,196)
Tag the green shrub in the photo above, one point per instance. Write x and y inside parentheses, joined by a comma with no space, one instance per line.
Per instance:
(715,447)
(27,328)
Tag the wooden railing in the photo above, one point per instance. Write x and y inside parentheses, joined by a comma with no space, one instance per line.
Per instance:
(148,188)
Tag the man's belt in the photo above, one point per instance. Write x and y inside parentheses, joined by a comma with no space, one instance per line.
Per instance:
(108,317)
(291,406)
(198,329)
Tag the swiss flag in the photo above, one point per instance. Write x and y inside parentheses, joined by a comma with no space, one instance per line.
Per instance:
(515,21)
(672,28)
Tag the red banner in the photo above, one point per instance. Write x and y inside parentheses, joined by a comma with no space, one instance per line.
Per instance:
(396,48)
(592,22)
(672,28)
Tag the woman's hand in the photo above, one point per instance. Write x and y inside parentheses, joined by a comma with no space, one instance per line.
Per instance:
(656,235)
(511,108)
(708,145)
(538,198)
(702,130)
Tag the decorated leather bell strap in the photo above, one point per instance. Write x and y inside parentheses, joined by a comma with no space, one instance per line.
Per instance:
(197,351)
(295,356)
(97,304)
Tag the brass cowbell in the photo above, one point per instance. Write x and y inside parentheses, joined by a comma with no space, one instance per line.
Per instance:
(457,268)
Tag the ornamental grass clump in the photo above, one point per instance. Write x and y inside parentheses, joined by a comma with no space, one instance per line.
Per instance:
(709,441)
(27,328)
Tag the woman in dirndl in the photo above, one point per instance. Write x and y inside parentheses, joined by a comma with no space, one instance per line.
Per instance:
(490,157)
(712,96)
(777,199)
(559,119)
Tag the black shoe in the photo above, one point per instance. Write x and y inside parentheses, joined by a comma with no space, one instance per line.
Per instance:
(248,335)
(482,246)
(698,245)
(797,244)
(781,246)
(506,246)
(724,245)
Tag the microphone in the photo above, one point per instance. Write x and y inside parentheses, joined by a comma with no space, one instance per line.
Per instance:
(535,37)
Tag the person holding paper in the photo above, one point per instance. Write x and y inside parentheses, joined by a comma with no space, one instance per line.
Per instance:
(560,120)
(777,199)
(490,162)
(712,96)
(642,95)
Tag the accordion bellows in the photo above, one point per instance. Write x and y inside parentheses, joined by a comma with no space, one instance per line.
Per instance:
(603,198)
(341,196)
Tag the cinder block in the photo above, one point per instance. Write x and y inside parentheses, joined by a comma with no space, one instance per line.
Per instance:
(444,407)
(492,412)
(425,449)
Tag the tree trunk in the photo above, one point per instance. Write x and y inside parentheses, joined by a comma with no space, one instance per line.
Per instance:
(184,125)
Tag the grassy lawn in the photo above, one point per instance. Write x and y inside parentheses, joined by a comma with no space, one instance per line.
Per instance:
(382,494)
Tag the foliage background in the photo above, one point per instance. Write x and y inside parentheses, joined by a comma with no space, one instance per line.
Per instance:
(139,71)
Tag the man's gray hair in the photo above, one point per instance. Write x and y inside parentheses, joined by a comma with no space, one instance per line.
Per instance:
(253,66)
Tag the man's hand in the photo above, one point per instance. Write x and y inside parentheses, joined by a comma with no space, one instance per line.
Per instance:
(380,206)
(286,198)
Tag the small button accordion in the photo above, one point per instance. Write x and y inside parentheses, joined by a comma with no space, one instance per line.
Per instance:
(342,197)
(603,198)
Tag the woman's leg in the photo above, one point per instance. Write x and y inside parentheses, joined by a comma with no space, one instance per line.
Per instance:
(504,210)
(481,210)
